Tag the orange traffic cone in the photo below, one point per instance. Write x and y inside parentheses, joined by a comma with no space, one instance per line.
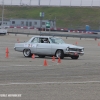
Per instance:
(17,40)
(7,53)
(95,39)
(45,63)
(59,60)
(99,44)
(76,43)
(33,56)
(53,58)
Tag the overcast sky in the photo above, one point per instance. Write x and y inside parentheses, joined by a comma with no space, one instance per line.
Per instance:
(53,2)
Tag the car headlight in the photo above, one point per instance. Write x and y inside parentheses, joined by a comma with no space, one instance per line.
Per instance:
(67,48)
(82,49)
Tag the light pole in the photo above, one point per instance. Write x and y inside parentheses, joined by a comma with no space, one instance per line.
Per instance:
(60,3)
(2,11)
(41,16)
(92,3)
(49,2)
(81,3)
(50,25)
(39,2)
(20,2)
(70,2)
(11,2)
(55,23)
(30,3)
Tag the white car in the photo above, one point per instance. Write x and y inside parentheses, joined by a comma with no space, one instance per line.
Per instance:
(49,46)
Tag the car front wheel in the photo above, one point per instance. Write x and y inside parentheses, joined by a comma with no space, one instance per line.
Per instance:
(59,54)
(74,57)
(27,53)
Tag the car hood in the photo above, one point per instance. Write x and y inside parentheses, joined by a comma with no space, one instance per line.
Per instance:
(71,46)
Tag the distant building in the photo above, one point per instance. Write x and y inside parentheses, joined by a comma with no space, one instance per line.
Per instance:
(28,23)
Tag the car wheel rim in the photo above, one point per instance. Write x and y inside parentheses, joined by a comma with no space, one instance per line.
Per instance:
(26,52)
(58,54)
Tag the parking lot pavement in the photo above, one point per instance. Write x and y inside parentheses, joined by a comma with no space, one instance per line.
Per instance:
(29,79)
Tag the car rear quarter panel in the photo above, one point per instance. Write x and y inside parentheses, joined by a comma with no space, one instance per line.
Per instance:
(19,47)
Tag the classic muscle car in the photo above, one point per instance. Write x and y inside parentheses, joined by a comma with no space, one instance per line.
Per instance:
(49,46)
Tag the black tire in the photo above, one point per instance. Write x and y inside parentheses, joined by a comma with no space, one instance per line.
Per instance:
(27,53)
(74,57)
(59,54)
(41,56)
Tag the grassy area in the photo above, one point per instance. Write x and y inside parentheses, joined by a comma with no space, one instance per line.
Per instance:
(66,17)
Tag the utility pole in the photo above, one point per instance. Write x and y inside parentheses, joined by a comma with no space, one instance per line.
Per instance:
(92,3)
(41,17)
(81,3)
(49,2)
(55,22)
(30,3)
(20,2)
(2,11)
(11,2)
(60,3)
(39,3)
(70,2)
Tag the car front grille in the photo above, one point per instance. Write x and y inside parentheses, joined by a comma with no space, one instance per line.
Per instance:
(75,49)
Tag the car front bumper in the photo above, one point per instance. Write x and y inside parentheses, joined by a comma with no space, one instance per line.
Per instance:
(74,53)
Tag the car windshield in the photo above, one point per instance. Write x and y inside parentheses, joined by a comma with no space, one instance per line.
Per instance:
(57,40)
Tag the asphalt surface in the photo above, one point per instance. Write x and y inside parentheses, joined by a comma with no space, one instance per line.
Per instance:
(28,79)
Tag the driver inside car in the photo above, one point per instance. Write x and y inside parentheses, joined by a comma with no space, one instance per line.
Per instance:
(46,40)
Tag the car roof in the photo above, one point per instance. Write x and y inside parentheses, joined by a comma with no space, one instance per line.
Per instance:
(43,36)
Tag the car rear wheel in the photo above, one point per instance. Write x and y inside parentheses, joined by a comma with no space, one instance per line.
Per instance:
(27,53)
(74,57)
(59,54)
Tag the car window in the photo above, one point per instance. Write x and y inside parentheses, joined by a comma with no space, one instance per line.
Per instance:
(35,40)
(57,40)
(44,40)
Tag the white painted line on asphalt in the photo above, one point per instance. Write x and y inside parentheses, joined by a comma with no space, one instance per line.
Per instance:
(42,83)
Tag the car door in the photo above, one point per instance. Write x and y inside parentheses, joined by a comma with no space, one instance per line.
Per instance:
(33,44)
(43,48)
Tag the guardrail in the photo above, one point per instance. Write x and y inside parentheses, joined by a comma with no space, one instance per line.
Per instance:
(60,34)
